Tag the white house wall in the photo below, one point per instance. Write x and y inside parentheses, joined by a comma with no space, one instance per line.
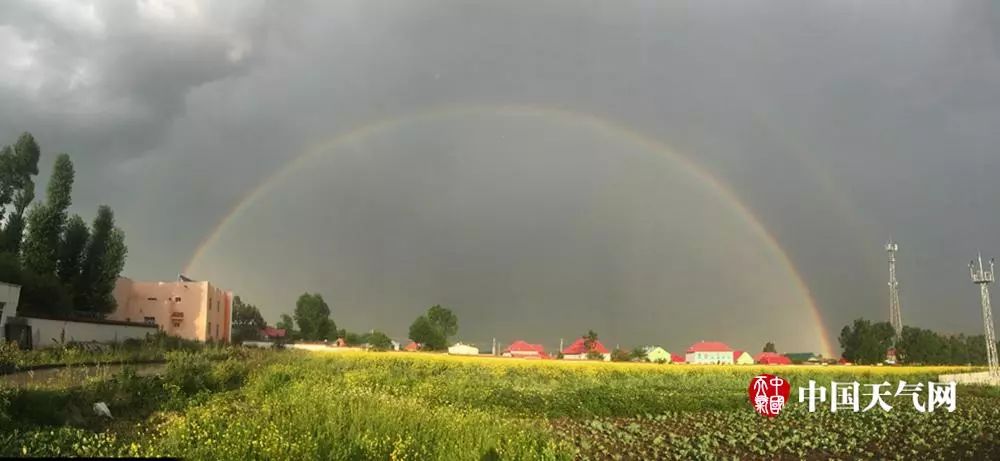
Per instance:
(9,296)
(47,333)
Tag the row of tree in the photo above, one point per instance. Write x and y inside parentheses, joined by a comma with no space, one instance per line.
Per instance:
(311,322)
(62,265)
(867,342)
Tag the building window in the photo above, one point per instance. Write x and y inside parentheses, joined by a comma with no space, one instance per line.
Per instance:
(177,299)
(176,322)
(209,328)
(216,330)
(150,320)
(150,299)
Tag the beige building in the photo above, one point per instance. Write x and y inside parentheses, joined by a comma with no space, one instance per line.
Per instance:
(185,308)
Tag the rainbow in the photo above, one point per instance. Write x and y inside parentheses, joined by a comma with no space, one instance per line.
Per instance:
(588,120)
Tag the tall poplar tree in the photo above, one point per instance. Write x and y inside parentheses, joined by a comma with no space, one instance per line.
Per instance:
(40,252)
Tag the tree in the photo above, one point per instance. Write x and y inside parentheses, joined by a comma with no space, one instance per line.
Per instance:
(71,249)
(17,166)
(590,343)
(433,329)
(866,343)
(378,341)
(423,332)
(13,233)
(444,320)
(43,294)
(590,339)
(286,323)
(104,259)
(769,347)
(639,355)
(620,355)
(353,338)
(247,321)
(313,317)
(45,222)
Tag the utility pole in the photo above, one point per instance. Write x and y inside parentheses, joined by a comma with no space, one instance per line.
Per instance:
(895,314)
(983,278)
(494,347)
(560,345)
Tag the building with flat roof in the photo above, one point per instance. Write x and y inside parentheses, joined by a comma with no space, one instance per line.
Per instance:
(185,308)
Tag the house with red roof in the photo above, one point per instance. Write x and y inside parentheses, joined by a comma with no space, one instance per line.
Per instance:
(578,350)
(412,347)
(709,352)
(742,358)
(676,358)
(525,350)
(272,334)
(772,358)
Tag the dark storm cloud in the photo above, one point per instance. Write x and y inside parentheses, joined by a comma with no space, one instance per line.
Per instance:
(838,123)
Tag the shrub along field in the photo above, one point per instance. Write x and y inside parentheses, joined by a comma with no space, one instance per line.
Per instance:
(292,405)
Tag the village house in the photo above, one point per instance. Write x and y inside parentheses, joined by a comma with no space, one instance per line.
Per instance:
(578,350)
(742,358)
(709,352)
(656,354)
(186,308)
(272,334)
(412,347)
(772,358)
(525,350)
(677,358)
(463,349)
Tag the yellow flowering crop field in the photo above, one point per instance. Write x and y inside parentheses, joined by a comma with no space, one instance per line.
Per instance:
(422,406)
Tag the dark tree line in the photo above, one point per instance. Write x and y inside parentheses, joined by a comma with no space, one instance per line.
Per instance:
(865,342)
(433,329)
(247,321)
(63,266)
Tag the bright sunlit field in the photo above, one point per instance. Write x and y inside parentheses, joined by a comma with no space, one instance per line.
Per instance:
(299,405)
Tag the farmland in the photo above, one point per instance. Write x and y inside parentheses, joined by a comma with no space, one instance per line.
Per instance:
(293,405)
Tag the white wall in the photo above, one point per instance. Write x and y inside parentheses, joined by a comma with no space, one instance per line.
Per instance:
(9,296)
(47,333)
(463,349)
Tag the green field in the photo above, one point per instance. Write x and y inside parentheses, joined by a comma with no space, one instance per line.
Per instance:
(293,405)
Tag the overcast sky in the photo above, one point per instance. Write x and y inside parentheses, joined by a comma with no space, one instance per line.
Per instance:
(835,124)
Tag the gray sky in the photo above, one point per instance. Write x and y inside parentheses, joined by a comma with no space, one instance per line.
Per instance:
(836,124)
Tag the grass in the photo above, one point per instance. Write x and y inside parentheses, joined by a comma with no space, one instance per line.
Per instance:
(295,405)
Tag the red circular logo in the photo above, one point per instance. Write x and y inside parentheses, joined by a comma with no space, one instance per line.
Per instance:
(768,394)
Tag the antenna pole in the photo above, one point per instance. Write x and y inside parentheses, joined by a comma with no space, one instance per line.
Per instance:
(895,311)
(984,277)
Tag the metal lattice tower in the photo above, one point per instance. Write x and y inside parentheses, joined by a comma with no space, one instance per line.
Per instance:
(895,312)
(983,278)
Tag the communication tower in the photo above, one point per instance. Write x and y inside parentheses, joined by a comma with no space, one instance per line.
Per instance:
(895,314)
(983,277)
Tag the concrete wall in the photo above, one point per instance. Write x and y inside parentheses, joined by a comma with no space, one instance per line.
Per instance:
(723,357)
(48,333)
(9,296)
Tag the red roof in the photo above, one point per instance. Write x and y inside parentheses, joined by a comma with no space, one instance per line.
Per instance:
(412,347)
(272,332)
(772,358)
(709,346)
(578,348)
(736,355)
(521,346)
(676,358)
